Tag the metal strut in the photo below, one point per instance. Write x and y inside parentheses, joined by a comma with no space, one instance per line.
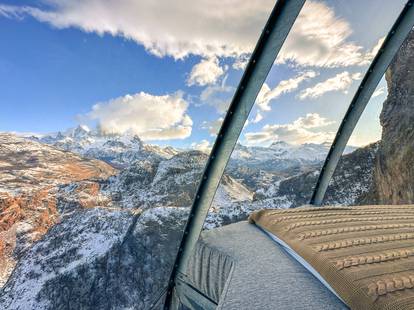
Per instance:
(270,42)
(379,65)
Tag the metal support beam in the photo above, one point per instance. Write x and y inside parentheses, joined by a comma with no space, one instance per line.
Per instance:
(270,42)
(379,65)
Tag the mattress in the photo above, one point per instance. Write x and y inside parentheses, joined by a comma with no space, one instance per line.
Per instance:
(300,260)
(239,267)
(365,253)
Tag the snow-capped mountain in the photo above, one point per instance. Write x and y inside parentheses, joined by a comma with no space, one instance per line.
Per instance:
(116,149)
(94,223)
(72,194)
(122,149)
(136,215)
(282,150)
(31,176)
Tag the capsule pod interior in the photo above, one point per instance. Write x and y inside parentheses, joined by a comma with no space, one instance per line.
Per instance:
(247,266)
(217,161)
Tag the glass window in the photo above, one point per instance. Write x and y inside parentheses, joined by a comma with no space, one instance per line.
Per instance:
(377,166)
(290,129)
(108,112)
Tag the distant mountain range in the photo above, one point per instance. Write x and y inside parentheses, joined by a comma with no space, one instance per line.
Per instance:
(122,149)
(62,195)
(119,150)
(96,219)
(83,189)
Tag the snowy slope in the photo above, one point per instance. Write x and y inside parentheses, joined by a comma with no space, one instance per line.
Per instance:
(119,150)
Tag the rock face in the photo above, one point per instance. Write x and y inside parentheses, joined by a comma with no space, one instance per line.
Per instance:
(113,240)
(353,179)
(349,185)
(98,259)
(32,175)
(394,170)
(170,182)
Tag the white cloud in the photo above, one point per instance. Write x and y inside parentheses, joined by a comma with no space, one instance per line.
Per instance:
(267,94)
(378,92)
(241,62)
(312,120)
(217,96)
(203,146)
(370,55)
(206,72)
(302,130)
(213,127)
(174,28)
(208,28)
(150,117)
(340,82)
(257,118)
(320,38)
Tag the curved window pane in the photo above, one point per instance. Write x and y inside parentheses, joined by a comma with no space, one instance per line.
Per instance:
(290,129)
(109,112)
(107,116)
(379,168)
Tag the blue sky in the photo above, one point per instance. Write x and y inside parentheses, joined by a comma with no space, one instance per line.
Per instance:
(167,73)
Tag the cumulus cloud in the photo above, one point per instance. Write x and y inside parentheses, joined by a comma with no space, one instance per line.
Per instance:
(241,62)
(213,127)
(206,72)
(370,55)
(217,96)
(150,117)
(320,38)
(203,146)
(267,94)
(174,28)
(311,120)
(340,82)
(257,118)
(302,130)
(378,92)
(208,28)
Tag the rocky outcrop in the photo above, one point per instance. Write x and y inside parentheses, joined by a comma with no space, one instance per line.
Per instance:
(353,179)
(394,168)
(116,240)
(32,175)
(98,259)
(170,183)
(349,185)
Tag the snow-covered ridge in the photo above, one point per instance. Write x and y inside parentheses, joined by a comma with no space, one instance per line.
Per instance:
(117,149)
(122,149)
(132,222)
(283,150)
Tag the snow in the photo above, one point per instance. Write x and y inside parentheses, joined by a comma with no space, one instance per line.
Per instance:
(83,245)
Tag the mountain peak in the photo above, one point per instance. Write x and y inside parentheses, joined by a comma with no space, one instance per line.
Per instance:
(279,144)
(81,131)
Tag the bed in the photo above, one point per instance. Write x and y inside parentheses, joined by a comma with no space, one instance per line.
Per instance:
(226,269)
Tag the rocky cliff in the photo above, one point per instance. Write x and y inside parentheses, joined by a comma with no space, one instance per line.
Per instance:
(113,240)
(32,175)
(349,185)
(394,167)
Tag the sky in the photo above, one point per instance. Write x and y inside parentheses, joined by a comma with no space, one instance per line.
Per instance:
(167,70)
